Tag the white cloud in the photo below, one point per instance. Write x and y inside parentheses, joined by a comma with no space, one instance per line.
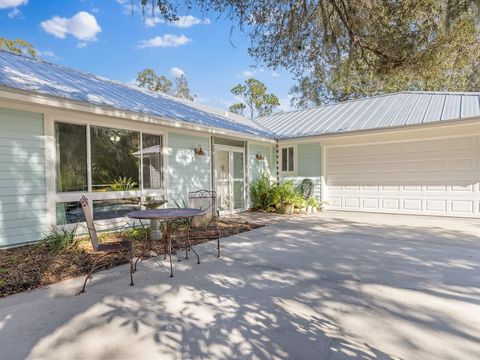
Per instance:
(183,22)
(167,40)
(176,72)
(128,7)
(5,4)
(48,54)
(81,45)
(15,13)
(189,21)
(246,74)
(82,26)
(152,21)
(275,74)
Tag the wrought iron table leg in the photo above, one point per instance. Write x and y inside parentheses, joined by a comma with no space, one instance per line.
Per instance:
(145,247)
(169,242)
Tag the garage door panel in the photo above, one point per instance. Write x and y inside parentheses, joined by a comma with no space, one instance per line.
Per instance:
(391,204)
(352,202)
(436,145)
(415,188)
(462,206)
(436,188)
(462,164)
(435,165)
(412,205)
(436,205)
(436,177)
(463,188)
(371,203)
(466,143)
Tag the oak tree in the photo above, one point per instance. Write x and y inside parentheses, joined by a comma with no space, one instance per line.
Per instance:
(343,49)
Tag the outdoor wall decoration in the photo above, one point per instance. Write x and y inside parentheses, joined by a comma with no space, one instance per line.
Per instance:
(199,151)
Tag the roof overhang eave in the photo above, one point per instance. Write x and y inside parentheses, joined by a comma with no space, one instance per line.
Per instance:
(309,138)
(56,102)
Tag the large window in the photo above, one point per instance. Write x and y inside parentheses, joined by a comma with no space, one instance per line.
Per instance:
(288,162)
(69,213)
(152,161)
(71,142)
(115,159)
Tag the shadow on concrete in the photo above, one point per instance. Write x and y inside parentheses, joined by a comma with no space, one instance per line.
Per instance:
(308,288)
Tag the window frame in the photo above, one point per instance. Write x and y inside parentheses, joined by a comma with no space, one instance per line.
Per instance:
(294,158)
(59,197)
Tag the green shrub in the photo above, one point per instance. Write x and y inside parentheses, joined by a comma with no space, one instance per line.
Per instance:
(261,193)
(137,233)
(313,202)
(123,184)
(271,197)
(59,238)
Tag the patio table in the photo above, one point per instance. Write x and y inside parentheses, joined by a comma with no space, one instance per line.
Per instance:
(168,216)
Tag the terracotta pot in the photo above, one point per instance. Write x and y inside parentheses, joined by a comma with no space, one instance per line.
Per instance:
(288,209)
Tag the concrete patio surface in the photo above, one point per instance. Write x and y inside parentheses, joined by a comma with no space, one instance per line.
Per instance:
(327,286)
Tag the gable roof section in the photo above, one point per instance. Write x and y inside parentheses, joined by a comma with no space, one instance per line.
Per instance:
(27,74)
(378,112)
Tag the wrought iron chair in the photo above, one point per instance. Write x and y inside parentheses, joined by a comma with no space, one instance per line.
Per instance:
(123,247)
(204,228)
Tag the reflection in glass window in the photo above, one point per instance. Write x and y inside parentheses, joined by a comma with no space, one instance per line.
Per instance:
(288,159)
(71,157)
(284,159)
(115,161)
(152,161)
(116,208)
(69,213)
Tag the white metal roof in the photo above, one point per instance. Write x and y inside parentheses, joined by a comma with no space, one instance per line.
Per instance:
(24,73)
(378,112)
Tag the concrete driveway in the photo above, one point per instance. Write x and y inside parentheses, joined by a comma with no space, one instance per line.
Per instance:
(329,286)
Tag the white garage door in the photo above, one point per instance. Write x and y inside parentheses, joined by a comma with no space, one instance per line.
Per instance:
(431,177)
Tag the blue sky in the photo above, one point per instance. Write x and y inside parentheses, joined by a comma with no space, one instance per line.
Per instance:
(104,38)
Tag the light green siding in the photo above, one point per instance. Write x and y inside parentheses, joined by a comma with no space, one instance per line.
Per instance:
(23,214)
(308,165)
(258,167)
(187,171)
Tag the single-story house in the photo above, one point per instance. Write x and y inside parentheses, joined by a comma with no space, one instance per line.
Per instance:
(66,133)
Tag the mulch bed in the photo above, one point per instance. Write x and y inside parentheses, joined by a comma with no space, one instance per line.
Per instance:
(33,266)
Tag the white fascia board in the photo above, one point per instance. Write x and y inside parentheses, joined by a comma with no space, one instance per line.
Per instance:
(397,129)
(28,97)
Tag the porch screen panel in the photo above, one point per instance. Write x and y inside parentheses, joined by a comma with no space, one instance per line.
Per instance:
(238,180)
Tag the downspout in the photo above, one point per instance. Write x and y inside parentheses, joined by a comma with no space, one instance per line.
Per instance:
(276,161)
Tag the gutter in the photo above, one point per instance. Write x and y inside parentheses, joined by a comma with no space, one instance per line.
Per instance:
(56,102)
(433,124)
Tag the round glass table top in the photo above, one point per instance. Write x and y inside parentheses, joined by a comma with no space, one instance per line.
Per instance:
(166,214)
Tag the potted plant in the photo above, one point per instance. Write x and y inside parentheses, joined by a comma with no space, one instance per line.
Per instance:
(312,204)
(288,207)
